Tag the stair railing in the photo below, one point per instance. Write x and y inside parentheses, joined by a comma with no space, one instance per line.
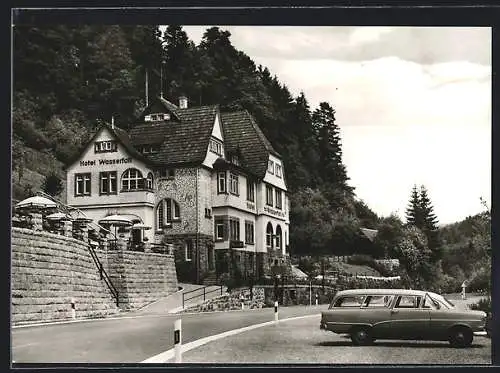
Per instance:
(103,275)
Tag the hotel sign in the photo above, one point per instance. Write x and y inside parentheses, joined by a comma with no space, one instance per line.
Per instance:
(101,162)
(274,212)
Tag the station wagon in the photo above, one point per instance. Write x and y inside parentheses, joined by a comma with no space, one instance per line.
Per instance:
(370,314)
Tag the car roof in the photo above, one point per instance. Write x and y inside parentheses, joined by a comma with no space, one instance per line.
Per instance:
(380,291)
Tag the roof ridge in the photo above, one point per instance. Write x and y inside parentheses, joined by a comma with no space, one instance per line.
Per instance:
(267,144)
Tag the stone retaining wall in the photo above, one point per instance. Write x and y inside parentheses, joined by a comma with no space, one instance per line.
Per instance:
(47,270)
(231,301)
(140,278)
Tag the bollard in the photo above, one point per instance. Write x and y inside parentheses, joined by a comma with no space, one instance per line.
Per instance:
(316,298)
(242,305)
(276,311)
(178,340)
(73,309)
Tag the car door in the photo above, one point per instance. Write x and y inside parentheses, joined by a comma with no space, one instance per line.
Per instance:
(377,312)
(408,319)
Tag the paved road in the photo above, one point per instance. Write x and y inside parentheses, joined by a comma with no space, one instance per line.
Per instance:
(301,341)
(129,340)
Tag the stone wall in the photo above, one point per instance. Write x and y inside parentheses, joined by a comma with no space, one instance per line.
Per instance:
(47,270)
(231,301)
(140,278)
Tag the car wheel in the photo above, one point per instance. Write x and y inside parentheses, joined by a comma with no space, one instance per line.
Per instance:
(361,337)
(461,337)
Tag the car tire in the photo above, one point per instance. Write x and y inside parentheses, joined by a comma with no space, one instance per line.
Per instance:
(361,337)
(461,337)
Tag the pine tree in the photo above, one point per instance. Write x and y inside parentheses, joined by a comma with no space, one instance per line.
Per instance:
(429,223)
(327,132)
(414,215)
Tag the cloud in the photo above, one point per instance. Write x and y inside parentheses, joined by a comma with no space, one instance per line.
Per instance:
(425,45)
(413,105)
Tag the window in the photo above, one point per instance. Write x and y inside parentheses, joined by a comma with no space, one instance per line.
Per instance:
(167,212)
(216,147)
(188,251)
(149,181)
(378,301)
(233,184)
(235,160)
(221,182)
(107,182)
(269,235)
(132,179)
(350,301)
(168,173)
(219,231)
(270,167)
(82,184)
(278,237)
(155,117)
(208,213)
(408,301)
(105,146)
(279,201)
(269,195)
(249,232)
(234,229)
(250,191)
(278,170)
(150,149)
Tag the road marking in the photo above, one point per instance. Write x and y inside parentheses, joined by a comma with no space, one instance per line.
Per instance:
(167,355)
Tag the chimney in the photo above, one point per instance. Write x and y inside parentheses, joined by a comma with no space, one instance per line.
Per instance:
(183,102)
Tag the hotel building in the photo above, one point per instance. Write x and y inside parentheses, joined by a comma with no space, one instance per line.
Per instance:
(207,182)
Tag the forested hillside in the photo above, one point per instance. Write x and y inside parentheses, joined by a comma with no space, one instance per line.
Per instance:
(68,79)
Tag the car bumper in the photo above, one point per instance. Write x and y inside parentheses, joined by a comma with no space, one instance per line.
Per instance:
(482,333)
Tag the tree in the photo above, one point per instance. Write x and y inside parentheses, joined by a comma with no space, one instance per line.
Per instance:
(429,223)
(414,215)
(389,235)
(327,132)
(52,185)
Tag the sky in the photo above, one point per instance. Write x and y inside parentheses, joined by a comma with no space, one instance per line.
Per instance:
(413,105)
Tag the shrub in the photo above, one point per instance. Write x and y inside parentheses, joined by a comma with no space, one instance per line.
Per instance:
(361,259)
(482,305)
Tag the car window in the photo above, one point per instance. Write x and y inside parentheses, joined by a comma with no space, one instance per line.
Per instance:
(407,301)
(430,303)
(350,301)
(378,301)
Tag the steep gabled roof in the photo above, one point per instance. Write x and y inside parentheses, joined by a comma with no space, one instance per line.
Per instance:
(242,134)
(369,233)
(121,136)
(182,141)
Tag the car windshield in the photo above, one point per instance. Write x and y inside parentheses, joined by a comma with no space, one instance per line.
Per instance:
(445,302)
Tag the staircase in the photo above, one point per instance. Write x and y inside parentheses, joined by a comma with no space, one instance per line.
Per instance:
(211,279)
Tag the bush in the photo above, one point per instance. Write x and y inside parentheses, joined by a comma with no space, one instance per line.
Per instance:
(482,305)
(361,259)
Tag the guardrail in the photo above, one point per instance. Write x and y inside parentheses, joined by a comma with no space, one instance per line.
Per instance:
(103,275)
(205,292)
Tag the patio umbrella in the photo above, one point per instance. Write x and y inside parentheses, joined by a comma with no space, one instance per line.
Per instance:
(36,202)
(141,226)
(58,216)
(116,220)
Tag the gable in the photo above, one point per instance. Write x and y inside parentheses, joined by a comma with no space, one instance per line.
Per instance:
(217,130)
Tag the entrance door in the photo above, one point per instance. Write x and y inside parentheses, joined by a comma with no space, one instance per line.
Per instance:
(136,238)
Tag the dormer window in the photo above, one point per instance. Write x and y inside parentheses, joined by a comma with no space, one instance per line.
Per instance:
(235,160)
(270,167)
(278,170)
(157,117)
(150,149)
(216,147)
(105,146)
